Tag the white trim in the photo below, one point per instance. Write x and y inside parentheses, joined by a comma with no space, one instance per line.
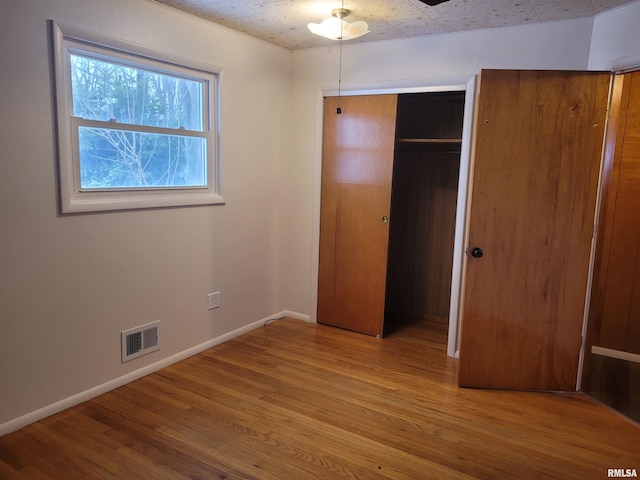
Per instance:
(439,84)
(110,201)
(619,354)
(594,241)
(462,224)
(36,415)
(289,314)
(317,193)
(436,84)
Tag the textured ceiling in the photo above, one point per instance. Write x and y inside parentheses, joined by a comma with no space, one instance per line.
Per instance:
(284,22)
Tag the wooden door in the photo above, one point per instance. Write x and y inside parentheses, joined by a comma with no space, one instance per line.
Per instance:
(538,146)
(357,167)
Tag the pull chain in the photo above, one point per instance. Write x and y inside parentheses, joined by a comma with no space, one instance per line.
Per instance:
(339,109)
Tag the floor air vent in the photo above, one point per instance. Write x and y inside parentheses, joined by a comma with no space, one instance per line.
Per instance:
(140,340)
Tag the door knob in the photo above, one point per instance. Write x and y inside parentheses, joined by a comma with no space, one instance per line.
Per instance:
(385,219)
(477,252)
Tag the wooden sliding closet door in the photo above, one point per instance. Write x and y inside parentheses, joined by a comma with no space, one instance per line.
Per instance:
(538,147)
(357,167)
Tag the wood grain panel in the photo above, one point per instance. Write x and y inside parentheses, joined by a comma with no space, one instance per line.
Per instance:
(357,167)
(616,383)
(610,173)
(537,153)
(619,318)
(296,400)
(421,237)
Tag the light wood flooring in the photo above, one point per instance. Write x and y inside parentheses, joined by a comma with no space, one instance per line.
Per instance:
(297,401)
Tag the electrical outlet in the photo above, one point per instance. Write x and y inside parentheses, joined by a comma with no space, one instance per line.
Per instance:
(214,300)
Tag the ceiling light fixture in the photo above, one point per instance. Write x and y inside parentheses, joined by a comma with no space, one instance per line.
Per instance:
(433,3)
(335,28)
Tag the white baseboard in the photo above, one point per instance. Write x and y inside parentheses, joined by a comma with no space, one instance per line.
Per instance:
(24,420)
(294,315)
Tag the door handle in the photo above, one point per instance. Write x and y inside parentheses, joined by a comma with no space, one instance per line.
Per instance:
(385,219)
(477,252)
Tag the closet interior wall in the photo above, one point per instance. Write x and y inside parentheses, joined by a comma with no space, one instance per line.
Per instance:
(612,369)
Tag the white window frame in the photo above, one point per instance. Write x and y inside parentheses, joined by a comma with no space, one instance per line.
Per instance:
(74,199)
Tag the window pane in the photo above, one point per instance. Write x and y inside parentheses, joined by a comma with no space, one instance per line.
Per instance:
(112,158)
(105,90)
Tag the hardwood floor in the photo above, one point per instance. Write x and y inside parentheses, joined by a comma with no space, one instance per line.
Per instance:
(297,401)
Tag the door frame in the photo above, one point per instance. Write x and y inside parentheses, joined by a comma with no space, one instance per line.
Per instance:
(466,83)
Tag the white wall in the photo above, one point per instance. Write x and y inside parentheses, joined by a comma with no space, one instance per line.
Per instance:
(615,43)
(69,285)
(426,61)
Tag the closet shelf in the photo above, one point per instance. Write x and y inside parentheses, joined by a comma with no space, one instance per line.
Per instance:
(430,144)
(431,141)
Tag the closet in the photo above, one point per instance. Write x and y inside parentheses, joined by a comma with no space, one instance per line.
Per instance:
(388,205)
(423,207)
(537,150)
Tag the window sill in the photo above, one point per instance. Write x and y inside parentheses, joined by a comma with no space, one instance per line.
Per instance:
(116,201)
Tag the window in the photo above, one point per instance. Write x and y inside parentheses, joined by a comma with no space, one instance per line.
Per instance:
(134,130)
